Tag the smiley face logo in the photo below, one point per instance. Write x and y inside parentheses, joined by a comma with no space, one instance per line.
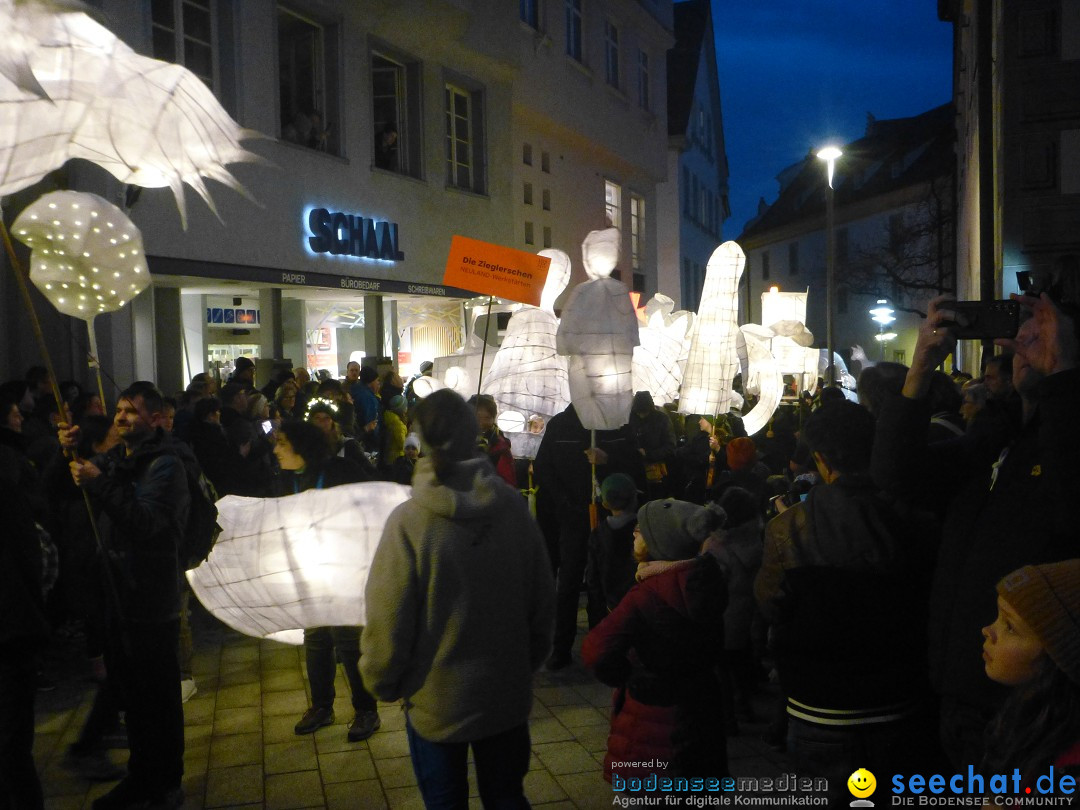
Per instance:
(862,783)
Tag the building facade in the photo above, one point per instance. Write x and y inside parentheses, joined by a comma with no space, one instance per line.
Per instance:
(894,235)
(694,199)
(389,126)
(1016,69)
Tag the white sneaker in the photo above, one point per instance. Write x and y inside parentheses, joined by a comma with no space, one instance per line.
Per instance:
(187,689)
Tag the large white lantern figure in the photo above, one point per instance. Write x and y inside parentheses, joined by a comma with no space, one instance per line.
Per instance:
(598,332)
(283,564)
(462,371)
(713,360)
(665,345)
(86,256)
(528,378)
(70,89)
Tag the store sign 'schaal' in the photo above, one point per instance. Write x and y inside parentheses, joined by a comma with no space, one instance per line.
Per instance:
(352,235)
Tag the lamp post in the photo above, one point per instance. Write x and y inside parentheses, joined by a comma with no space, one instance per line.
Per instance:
(830,154)
(882,315)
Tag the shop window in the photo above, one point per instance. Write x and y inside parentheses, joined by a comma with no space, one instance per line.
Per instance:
(611,53)
(528,195)
(395,93)
(464,111)
(183,32)
(545,197)
(637,230)
(643,80)
(526,154)
(530,238)
(613,204)
(573,29)
(307,81)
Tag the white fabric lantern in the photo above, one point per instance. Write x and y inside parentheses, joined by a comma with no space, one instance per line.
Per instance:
(763,378)
(664,347)
(283,564)
(149,123)
(528,378)
(86,256)
(710,367)
(598,331)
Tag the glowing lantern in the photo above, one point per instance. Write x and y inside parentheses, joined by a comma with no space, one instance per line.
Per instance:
(665,345)
(73,90)
(711,365)
(598,331)
(86,256)
(528,378)
(283,564)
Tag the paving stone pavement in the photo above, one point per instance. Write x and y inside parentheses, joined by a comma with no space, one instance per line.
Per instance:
(241,751)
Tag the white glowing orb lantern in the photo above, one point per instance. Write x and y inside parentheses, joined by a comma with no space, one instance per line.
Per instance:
(86,256)
(73,90)
(713,360)
(529,379)
(598,332)
(284,564)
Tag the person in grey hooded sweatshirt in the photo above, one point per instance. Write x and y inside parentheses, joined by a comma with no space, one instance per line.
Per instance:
(460,614)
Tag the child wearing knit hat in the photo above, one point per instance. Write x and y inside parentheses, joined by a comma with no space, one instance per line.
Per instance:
(1034,646)
(660,647)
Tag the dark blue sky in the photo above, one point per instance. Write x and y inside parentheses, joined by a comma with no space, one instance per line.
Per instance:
(797,74)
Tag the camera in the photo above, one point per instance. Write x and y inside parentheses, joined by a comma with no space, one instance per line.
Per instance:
(986,319)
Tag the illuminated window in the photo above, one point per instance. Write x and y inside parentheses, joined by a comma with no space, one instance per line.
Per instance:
(613,204)
(637,230)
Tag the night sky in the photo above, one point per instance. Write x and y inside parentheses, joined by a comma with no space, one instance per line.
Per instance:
(797,74)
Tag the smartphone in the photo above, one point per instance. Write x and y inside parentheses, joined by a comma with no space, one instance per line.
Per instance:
(986,319)
(267,426)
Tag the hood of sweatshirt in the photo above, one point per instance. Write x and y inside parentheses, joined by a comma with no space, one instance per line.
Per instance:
(472,491)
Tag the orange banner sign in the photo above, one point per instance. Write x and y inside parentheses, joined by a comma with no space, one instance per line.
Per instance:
(503,272)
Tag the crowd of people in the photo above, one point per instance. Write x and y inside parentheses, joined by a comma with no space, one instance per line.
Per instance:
(904,567)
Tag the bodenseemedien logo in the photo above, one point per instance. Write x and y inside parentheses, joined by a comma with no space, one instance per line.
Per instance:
(862,785)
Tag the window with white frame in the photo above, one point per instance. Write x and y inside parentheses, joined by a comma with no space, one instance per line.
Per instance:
(613,204)
(611,53)
(306,82)
(637,230)
(182,31)
(643,80)
(395,103)
(464,138)
(573,29)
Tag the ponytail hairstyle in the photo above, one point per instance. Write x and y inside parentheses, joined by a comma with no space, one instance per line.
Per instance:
(1038,722)
(448,429)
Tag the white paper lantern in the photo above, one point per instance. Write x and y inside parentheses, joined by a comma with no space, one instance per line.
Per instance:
(664,347)
(149,123)
(764,378)
(598,332)
(711,365)
(284,564)
(86,256)
(528,378)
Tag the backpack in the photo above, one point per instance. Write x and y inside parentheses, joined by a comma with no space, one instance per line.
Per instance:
(202,529)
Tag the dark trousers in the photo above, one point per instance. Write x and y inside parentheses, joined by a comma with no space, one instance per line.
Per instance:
(573,555)
(145,671)
(20,788)
(501,764)
(319,646)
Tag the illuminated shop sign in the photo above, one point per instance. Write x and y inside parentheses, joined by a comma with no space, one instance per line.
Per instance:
(353,235)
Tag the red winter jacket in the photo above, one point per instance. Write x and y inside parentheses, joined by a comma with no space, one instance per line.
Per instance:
(660,647)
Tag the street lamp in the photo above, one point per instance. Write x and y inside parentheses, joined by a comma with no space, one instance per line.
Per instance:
(882,315)
(830,154)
